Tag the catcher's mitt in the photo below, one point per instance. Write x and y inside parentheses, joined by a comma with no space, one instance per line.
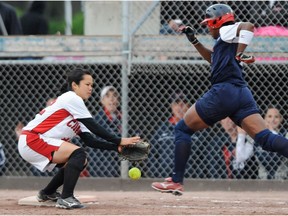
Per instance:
(137,152)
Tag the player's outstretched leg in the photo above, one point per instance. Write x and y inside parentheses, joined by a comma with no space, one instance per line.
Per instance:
(272,142)
(183,143)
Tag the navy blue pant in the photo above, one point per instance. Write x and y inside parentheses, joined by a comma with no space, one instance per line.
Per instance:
(224,100)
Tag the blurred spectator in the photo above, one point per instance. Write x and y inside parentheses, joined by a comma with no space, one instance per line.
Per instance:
(271,160)
(9,22)
(33,21)
(108,117)
(162,149)
(179,104)
(248,169)
(171,27)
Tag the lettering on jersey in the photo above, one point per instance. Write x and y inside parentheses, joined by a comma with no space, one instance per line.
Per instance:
(74,125)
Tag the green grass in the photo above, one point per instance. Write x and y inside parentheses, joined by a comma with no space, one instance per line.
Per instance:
(57,26)
(78,24)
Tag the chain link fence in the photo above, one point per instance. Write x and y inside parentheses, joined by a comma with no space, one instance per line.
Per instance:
(27,87)
(156,67)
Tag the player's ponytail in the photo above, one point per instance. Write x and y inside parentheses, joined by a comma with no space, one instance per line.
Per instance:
(64,88)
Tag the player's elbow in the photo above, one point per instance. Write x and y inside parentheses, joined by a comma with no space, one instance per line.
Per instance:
(247,26)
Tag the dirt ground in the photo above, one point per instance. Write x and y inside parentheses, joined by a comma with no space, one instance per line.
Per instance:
(155,203)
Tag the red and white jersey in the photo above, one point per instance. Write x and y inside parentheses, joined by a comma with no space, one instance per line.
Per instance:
(59,119)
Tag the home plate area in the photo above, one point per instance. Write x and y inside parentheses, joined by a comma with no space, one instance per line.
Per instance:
(32,201)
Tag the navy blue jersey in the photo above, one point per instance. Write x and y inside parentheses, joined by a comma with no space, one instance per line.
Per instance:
(224,67)
(229,94)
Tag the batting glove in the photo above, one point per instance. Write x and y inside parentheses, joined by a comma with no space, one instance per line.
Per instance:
(190,34)
(244,58)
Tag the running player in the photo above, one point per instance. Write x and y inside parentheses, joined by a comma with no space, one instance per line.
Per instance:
(229,95)
(45,141)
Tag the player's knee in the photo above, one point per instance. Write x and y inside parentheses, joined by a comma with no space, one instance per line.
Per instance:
(265,139)
(182,132)
(78,159)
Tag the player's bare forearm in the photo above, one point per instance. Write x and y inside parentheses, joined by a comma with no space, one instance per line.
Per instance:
(190,34)
(204,52)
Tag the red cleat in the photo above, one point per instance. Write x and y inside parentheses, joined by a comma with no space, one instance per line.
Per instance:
(169,179)
(168,187)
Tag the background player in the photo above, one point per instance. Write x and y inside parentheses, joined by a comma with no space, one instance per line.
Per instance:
(45,141)
(229,95)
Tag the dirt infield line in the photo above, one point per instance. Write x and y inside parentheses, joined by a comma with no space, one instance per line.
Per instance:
(155,203)
(117,184)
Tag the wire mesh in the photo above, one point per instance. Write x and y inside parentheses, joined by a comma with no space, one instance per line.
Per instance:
(27,87)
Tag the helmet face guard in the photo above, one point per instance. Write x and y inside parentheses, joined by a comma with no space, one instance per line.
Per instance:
(217,15)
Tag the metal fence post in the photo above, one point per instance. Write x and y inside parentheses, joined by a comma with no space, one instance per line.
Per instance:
(124,81)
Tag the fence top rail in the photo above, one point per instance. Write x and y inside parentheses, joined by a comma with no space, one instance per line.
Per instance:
(145,45)
(173,47)
(180,44)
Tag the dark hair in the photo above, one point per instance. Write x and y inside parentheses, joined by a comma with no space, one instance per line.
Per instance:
(272,106)
(76,76)
(37,7)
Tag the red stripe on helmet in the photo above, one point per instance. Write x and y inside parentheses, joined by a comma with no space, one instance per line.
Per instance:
(219,21)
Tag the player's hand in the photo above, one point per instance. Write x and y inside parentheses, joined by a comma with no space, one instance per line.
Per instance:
(190,33)
(129,141)
(245,58)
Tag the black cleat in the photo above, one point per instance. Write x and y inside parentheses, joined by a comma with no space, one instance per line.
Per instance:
(42,196)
